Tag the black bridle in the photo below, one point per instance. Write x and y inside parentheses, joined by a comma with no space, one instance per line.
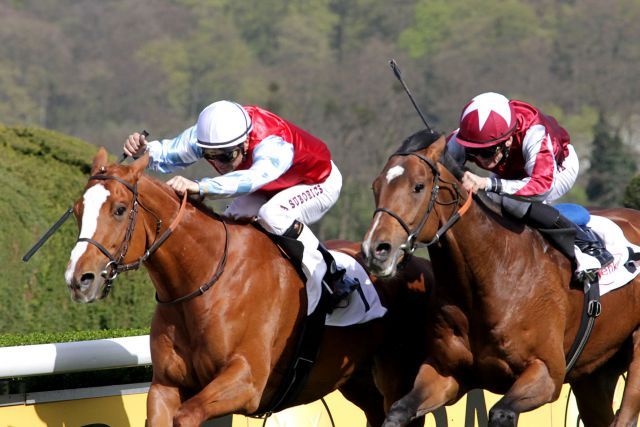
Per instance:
(116,265)
(411,244)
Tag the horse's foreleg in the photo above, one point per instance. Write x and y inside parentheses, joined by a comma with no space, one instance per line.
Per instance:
(430,391)
(532,389)
(230,392)
(628,413)
(594,397)
(162,404)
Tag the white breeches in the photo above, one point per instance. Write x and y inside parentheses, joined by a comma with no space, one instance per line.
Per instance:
(565,176)
(305,203)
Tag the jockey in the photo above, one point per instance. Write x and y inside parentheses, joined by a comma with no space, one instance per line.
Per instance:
(278,173)
(531,159)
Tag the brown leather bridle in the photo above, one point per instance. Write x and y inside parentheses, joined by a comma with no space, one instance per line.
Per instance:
(411,243)
(117,265)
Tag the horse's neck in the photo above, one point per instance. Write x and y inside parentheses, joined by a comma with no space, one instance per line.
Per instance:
(471,250)
(186,258)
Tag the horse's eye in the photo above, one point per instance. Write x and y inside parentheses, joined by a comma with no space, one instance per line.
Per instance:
(418,188)
(120,211)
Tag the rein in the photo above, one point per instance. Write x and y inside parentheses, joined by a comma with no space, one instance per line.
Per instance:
(204,288)
(411,244)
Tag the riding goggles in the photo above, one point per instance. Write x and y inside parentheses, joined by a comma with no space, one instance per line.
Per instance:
(483,153)
(222,156)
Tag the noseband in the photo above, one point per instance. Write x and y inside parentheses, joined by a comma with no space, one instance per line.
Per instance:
(411,244)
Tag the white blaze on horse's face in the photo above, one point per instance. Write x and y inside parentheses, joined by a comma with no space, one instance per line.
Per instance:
(93,200)
(394,172)
(366,244)
(392,264)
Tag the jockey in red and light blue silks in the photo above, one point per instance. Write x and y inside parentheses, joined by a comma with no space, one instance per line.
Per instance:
(279,174)
(531,160)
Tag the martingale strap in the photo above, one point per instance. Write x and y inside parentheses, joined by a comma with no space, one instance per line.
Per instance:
(590,310)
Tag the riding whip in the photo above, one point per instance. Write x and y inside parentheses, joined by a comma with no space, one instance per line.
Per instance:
(62,220)
(124,156)
(398,74)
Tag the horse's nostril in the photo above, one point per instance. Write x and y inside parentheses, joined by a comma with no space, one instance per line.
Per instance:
(382,251)
(86,280)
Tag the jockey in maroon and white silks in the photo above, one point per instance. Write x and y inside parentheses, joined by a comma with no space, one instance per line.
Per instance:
(538,163)
(278,173)
(532,163)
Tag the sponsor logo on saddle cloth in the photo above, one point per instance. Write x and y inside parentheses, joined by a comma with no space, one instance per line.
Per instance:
(352,310)
(622,270)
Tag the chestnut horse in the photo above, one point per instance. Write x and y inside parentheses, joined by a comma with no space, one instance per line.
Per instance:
(507,314)
(226,349)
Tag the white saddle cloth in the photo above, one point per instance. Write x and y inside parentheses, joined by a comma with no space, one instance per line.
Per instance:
(352,310)
(616,274)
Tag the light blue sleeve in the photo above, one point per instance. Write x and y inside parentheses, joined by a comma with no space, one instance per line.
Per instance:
(168,155)
(272,157)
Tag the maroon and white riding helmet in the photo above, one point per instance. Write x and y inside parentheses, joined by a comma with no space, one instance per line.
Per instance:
(487,120)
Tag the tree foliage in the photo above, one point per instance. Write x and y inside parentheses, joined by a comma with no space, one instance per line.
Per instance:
(103,69)
(611,167)
(632,194)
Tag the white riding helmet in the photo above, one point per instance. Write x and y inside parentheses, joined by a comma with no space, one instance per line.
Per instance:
(223,124)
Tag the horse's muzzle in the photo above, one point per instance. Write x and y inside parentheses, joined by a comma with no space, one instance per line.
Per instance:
(380,258)
(87,287)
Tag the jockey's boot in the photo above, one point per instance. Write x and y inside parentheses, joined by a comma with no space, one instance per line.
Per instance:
(591,244)
(339,283)
(319,266)
(548,217)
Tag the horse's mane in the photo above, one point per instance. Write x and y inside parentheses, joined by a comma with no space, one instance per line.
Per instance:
(418,141)
(198,204)
(423,139)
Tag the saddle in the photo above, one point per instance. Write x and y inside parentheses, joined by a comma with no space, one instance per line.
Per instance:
(563,239)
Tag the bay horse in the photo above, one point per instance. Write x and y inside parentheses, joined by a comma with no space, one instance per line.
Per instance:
(506,314)
(224,347)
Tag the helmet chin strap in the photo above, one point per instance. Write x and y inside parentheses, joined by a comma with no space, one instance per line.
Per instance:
(245,147)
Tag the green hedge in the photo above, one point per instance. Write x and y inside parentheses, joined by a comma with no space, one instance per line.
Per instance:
(7,340)
(42,173)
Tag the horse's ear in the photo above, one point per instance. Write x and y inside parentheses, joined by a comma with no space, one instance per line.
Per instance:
(138,166)
(99,161)
(436,149)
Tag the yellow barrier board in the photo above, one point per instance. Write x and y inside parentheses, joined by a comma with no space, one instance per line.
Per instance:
(129,411)
(112,411)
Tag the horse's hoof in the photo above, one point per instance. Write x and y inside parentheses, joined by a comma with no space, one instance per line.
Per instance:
(502,418)
(398,416)
(395,420)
